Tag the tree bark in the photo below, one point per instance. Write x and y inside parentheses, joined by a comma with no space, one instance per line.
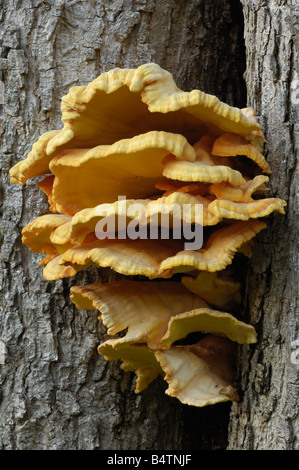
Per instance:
(267,416)
(56,391)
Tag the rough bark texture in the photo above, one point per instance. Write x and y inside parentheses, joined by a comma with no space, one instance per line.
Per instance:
(56,391)
(267,417)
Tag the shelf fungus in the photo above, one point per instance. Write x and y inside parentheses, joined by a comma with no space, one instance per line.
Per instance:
(130,167)
(48,234)
(160,258)
(138,168)
(218,289)
(200,374)
(158,313)
(155,316)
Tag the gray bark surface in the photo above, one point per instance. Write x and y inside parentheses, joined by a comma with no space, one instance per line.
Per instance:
(56,391)
(267,416)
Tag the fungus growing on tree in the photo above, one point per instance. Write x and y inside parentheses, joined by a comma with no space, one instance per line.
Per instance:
(133,138)
(155,316)
(159,258)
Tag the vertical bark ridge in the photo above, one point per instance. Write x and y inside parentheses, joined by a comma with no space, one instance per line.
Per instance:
(267,416)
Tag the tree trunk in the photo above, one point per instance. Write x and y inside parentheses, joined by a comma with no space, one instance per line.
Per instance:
(267,416)
(56,391)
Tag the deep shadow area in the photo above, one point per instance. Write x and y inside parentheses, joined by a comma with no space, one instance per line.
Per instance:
(206,428)
(222,66)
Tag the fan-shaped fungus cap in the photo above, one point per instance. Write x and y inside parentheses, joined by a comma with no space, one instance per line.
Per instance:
(206,320)
(214,211)
(232,145)
(123,103)
(174,210)
(143,308)
(205,169)
(219,250)
(150,312)
(158,313)
(217,291)
(162,258)
(202,374)
(36,163)
(122,212)
(49,234)
(129,257)
(243,193)
(141,100)
(138,213)
(136,358)
(198,375)
(54,270)
(150,257)
(130,167)
(223,190)
(223,209)
(169,209)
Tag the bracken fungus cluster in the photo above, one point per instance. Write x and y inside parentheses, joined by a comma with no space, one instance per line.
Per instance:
(132,132)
